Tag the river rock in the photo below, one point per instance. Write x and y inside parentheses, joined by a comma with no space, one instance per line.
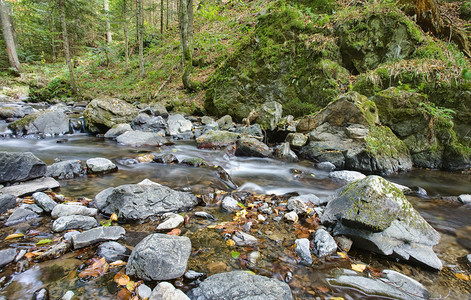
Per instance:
(291,216)
(117,130)
(166,291)
(225,122)
(31,186)
(32,207)
(326,166)
(166,159)
(154,109)
(44,201)
(140,201)
(240,285)
(177,124)
(336,138)
(303,251)
(391,284)
(252,147)
(141,138)
(65,169)
(100,165)
(284,152)
(216,139)
(20,215)
(53,121)
(144,122)
(324,243)
(102,113)
(170,221)
(14,110)
(7,201)
(68,296)
(159,257)
(69,234)
(96,235)
(20,166)
(63,210)
(113,251)
(251,131)
(269,115)
(74,222)
(244,239)
(7,256)
(230,204)
(347,176)
(296,140)
(465,198)
(377,217)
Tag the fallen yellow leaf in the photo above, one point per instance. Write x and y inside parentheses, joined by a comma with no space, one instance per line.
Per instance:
(114,217)
(14,236)
(230,243)
(462,276)
(131,285)
(123,280)
(359,267)
(342,255)
(336,298)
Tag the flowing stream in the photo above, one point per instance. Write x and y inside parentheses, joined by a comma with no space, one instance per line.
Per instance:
(263,176)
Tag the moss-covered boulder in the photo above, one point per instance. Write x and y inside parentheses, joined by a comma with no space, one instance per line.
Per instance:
(377,217)
(426,129)
(53,121)
(346,133)
(287,59)
(372,35)
(103,113)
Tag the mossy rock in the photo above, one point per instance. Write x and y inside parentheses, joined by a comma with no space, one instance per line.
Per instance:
(427,130)
(380,34)
(285,60)
(103,113)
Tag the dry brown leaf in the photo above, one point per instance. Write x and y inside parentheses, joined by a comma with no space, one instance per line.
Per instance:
(124,294)
(123,280)
(33,254)
(14,236)
(98,268)
(322,289)
(175,231)
(118,263)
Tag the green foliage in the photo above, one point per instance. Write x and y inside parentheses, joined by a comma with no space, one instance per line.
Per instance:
(56,88)
(436,111)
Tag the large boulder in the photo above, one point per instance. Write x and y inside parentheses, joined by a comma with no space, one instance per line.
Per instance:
(20,166)
(140,201)
(178,124)
(53,121)
(346,134)
(102,113)
(141,138)
(240,285)
(377,217)
(159,257)
(427,130)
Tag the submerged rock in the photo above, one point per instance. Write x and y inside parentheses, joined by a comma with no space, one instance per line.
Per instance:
(21,215)
(377,217)
(140,201)
(391,284)
(284,152)
(240,285)
(20,166)
(103,113)
(159,257)
(170,221)
(113,251)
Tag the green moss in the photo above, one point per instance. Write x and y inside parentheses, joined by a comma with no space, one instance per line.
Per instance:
(381,141)
(18,126)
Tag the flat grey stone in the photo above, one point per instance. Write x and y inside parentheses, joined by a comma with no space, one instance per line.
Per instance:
(326,166)
(96,235)
(240,285)
(63,210)
(391,284)
(230,204)
(74,222)
(117,130)
(44,201)
(21,215)
(7,256)
(30,187)
(170,221)
(7,201)
(32,207)
(159,257)
(68,235)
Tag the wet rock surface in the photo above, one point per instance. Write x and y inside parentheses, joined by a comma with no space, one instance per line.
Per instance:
(96,235)
(20,166)
(65,169)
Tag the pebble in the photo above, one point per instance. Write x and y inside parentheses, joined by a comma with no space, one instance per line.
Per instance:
(253,258)
(326,166)
(324,243)
(205,215)
(166,291)
(244,239)
(292,216)
(171,221)
(261,218)
(465,198)
(230,204)
(68,295)
(192,275)
(144,291)
(20,255)
(303,251)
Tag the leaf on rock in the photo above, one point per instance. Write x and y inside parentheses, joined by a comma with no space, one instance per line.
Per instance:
(114,217)
(230,243)
(235,254)
(359,267)
(33,254)
(14,236)
(123,279)
(44,241)
(322,289)
(105,223)
(131,285)
(342,255)
(98,268)
(175,231)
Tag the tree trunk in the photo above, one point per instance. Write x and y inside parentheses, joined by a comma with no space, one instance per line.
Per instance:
(186,32)
(106,6)
(141,39)
(125,29)
(65,37)
(161,17)
(8,36)
(166,24)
